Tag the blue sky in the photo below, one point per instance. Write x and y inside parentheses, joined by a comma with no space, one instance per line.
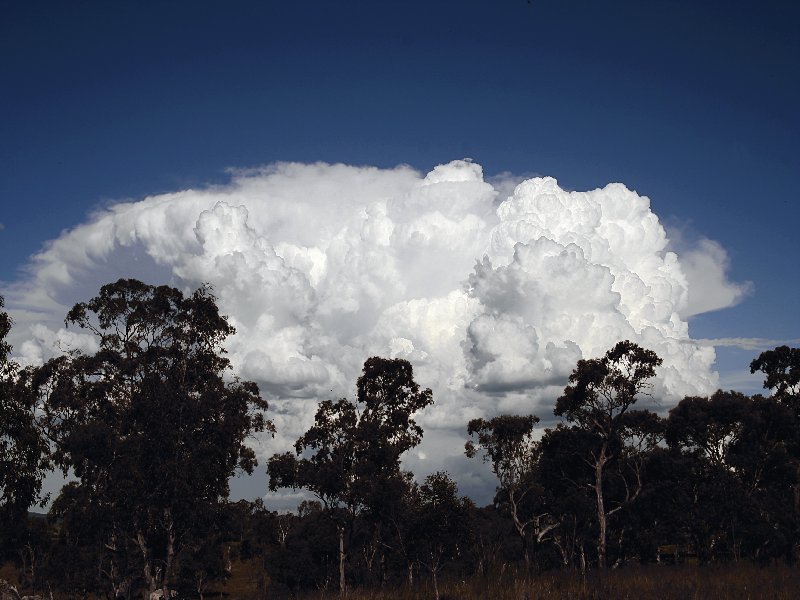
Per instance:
(693,104)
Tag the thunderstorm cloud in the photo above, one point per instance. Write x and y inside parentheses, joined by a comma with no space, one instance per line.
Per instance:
(492,288)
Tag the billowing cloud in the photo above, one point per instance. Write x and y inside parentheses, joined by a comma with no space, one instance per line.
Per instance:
(493,292)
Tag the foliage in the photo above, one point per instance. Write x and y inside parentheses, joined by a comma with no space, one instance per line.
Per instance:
(350,457)
(508,443)
(741,462)
(600,390)
(598,400)
(439,524)
(782,369)
(23,449)
(148,423)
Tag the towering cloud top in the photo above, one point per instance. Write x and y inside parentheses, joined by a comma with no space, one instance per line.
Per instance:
(319,266)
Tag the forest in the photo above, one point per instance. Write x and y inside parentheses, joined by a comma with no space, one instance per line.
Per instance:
(151,424)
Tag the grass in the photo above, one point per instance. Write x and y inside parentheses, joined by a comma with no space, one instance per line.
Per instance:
(731,582)
(741,581)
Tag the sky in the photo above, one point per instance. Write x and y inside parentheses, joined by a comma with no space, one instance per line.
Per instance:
(490,189)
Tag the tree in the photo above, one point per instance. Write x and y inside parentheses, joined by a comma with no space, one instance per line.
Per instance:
(742,469)
(567,476)
(350,457)
(23,449)
(600,393)
(205,558)
(150,423)
(708,427)
(764,460)
(439,523)
(782,369)
(508,443)
(641,433)
(89,555)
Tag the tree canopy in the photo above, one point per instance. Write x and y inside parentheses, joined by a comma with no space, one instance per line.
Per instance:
(350,457)
(598,400)
(150,423)
(23,449)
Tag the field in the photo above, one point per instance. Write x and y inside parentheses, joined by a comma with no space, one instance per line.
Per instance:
(683,582)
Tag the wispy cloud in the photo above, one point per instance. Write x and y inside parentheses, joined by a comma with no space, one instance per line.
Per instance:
(744,343)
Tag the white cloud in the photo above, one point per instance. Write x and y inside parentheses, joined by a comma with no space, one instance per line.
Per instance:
(493,293)
(706,265)
(706,268)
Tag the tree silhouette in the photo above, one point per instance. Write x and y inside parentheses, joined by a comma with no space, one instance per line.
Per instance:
(23,450)
(149,423)
(600,393)
(782,369)
(438,523)
(508,443)
(350,457)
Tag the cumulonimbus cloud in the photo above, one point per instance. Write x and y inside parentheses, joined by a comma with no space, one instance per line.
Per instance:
(492,298)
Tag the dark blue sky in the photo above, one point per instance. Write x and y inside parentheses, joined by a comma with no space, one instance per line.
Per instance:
(694,104)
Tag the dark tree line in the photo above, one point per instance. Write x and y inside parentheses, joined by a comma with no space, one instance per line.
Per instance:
(151,425)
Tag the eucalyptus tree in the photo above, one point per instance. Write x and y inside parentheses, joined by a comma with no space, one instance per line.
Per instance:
(439,524)
(598,400)
(23,449)
(742,471)
(509,443)
(781,367)
(350,457)
(151,423)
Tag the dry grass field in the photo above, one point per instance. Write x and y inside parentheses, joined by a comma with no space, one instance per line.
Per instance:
(683,582)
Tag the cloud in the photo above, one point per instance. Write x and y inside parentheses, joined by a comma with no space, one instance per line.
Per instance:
(492,290)
(746,343)
(706,265)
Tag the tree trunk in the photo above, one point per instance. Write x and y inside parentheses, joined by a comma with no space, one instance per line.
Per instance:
(147,572)
(411,574)
(520,528)
(433,567)
(342,583)
(583,559)
(602,520)
(525,551)
(170,558)
(161,578)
